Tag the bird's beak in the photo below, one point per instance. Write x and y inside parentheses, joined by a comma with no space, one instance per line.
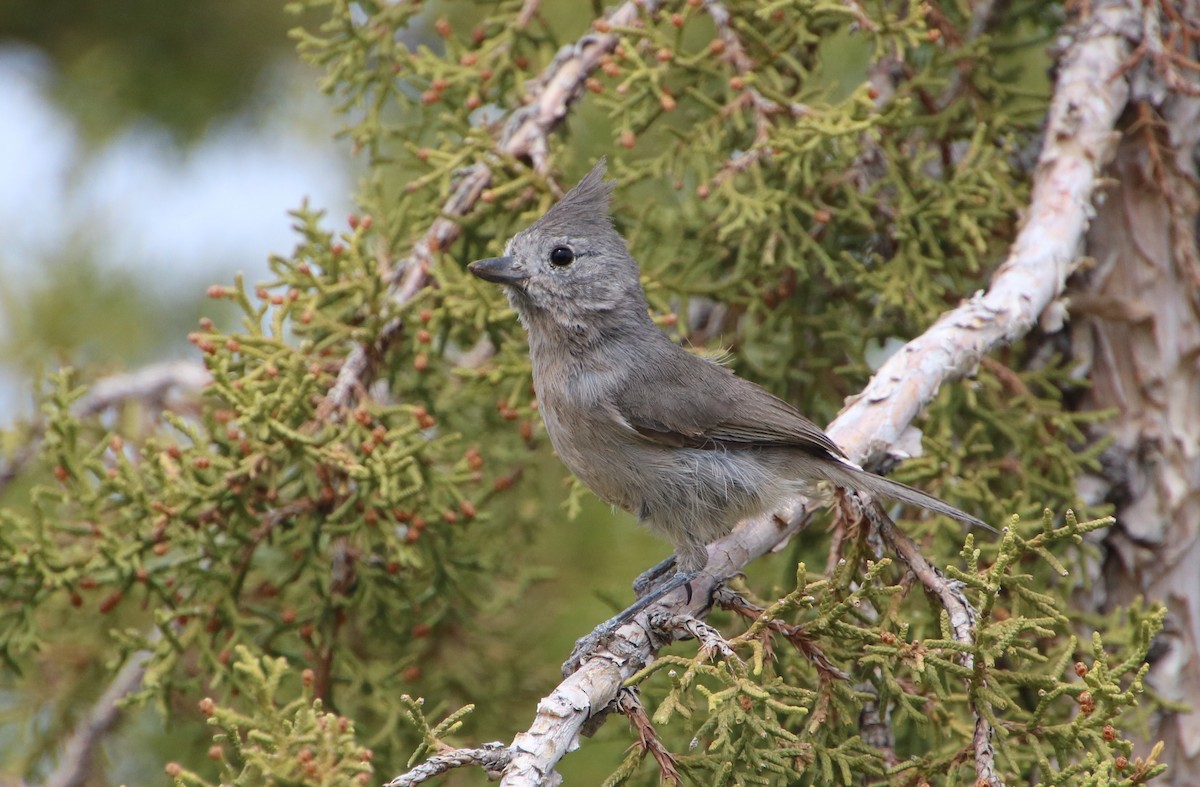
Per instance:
(501,270)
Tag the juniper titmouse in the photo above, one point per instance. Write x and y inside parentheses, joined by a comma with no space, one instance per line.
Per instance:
(679,441)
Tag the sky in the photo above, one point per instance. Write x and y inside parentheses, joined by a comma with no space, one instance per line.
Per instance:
(178,217)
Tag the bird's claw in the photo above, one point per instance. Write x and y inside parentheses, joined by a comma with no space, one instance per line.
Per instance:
(586,647)
(652,576)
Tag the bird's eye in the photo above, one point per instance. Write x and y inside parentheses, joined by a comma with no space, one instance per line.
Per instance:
(561,256)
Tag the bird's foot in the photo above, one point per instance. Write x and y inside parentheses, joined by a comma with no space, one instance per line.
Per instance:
(587,647)
(646,580)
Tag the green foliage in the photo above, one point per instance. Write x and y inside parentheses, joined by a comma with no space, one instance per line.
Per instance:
(780,207)
(783,713)
(296,743)
(432,735)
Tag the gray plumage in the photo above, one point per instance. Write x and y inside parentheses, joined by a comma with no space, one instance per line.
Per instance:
(679,441)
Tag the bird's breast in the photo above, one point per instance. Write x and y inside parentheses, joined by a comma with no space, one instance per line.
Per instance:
(589,436)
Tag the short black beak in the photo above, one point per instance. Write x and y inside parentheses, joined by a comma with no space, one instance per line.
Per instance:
(500,270)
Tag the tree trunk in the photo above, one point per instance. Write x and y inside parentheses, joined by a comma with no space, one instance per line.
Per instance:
(1140,337)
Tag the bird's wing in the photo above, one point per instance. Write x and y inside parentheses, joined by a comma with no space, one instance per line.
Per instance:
(682,400)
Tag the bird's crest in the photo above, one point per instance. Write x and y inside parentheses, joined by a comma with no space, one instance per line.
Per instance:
(583,209)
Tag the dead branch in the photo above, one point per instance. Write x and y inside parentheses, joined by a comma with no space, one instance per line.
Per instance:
(630,706)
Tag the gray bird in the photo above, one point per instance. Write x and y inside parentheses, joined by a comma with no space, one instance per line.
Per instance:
(677,440)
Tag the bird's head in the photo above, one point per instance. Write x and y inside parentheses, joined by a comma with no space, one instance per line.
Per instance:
(571,265)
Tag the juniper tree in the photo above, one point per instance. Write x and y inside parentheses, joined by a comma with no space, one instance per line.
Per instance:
(315,561)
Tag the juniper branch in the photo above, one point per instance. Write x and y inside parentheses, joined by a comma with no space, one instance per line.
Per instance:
(962,618)
(170,385)
(1079,140)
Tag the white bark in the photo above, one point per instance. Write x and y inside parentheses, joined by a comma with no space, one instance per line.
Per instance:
(1140,347)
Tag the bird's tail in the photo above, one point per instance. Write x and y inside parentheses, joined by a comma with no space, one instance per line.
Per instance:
(878,486)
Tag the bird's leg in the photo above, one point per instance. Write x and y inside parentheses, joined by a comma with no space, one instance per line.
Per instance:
(585,646)
(646,580)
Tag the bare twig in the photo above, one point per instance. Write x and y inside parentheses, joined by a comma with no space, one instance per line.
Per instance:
(630,706)
(795,635)
(682,626)
(492,757)
(1089,96)
(528,11)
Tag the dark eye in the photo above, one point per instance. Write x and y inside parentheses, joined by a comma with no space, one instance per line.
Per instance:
(561,256)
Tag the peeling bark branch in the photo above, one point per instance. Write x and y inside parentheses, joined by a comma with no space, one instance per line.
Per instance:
(1089,96)
(1079,140)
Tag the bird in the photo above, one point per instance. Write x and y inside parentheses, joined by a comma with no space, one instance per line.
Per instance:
(676,439)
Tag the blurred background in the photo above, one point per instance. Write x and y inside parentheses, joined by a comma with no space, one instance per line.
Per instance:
(147,149)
